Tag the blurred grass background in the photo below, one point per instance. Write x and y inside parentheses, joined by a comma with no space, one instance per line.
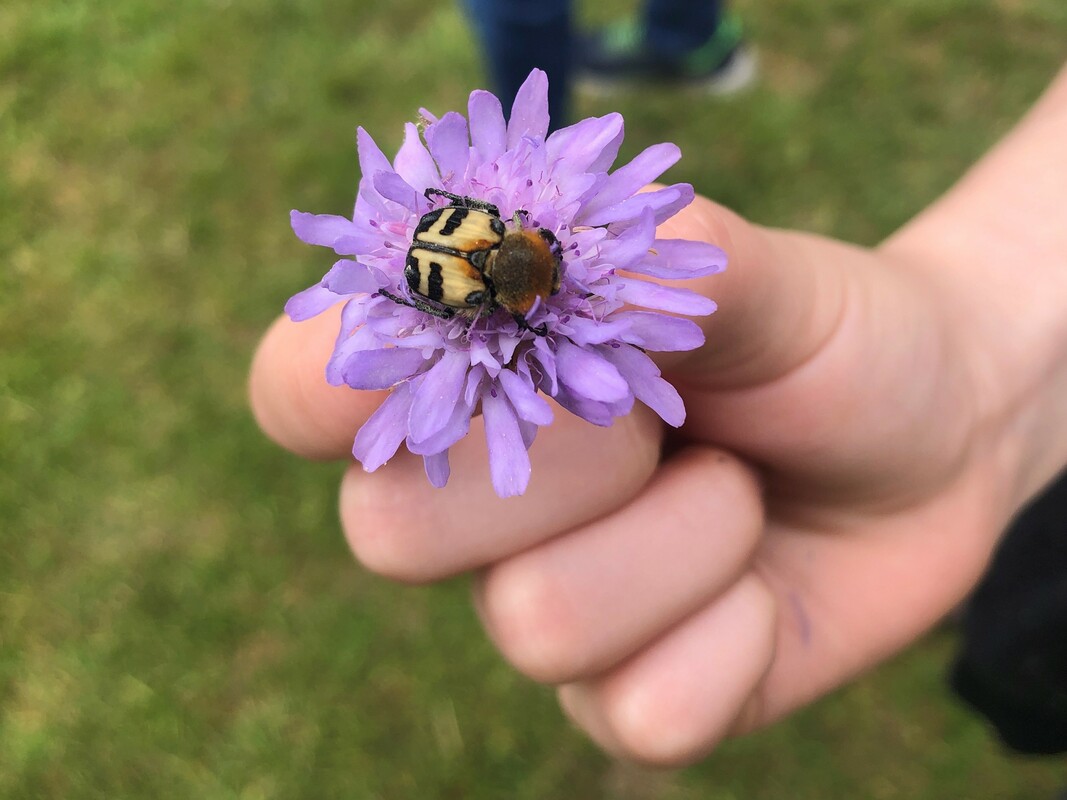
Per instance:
(179,615)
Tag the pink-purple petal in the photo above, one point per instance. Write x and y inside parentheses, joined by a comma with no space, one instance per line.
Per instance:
(681,258)
(598,413)
(381,369)
(528,404)
(529,113)
(489,131)
(475,380)
(371,157)
(414,163)
(587,146)
(381,435)
(546,362)
(662,298)
(643,375)
(586,373)
(357,244)
(350,277)
(665,203)
(630,178)
(438,394)
(586,331)
(449,145)
(310,302)
(437,469)
(528,431)
(458,425)
(392,187)
(509,463)
(321,229)
(659,332)
(632,244)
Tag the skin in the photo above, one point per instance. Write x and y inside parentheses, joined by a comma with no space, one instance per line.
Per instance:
(862,426)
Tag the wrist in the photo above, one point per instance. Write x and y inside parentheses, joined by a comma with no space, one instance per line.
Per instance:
(994,251)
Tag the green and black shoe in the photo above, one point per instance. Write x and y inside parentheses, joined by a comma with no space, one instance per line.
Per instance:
(617,58)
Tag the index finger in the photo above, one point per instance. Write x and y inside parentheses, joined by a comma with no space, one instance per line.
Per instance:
(289,395)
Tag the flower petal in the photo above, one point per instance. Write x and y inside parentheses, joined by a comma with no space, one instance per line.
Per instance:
(681,258)
(449,145)
(546,360)
(362,243)
(437,396)
(382,434)
(624,182)
(529,113)
(583,330)
(509,463)
(602,414)
(437,469)
(587,146)
(643,375)
(350,277)
(488,130)
(665,203)
(662,298)
(587,374)
(458,426)
(632,244)
(321,229)
(414,163)
(349,340)
(381,369)
(528,404)
(310,302)
(392,187)
(528,431)
(371,157)
(659,332)
(473,390)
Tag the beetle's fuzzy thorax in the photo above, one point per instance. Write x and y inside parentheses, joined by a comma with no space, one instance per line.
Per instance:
(522,269)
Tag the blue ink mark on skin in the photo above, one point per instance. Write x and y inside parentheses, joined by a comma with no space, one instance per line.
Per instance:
(803,620)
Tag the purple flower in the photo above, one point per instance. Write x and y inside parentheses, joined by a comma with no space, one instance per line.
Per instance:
(592,358)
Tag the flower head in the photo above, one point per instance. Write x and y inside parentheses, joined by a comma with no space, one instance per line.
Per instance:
(584,346)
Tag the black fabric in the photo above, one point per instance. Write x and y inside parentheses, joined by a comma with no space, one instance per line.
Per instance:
(1013,663)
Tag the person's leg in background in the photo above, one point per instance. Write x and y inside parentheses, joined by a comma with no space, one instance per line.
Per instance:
(687,42)
(518,35)
(679,26)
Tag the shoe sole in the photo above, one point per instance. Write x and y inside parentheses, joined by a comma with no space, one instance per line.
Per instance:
(740,74)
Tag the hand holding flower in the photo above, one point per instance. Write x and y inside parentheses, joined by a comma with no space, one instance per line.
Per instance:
(859,430)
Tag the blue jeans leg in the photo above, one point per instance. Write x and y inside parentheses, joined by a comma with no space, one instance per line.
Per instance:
(518,35)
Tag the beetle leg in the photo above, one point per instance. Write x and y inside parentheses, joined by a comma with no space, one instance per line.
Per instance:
(540,330)
(441,313)
(464,202)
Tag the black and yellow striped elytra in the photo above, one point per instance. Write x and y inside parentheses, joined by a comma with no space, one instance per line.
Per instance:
(464,260)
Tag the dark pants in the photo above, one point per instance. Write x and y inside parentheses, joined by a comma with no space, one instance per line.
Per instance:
(518,35)
(1012,666)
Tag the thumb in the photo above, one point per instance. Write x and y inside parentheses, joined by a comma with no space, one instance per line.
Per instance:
(780,298)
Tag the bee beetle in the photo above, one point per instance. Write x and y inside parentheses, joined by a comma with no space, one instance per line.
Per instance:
(463,258)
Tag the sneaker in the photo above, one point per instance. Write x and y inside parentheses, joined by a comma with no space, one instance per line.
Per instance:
(618,58)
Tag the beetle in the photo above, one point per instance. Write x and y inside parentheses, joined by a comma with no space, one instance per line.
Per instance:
(464,259)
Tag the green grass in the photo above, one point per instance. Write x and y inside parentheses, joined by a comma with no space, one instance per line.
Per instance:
(179,615)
